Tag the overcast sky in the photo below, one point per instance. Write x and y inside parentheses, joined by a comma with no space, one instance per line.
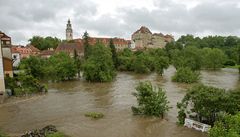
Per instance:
(22,19)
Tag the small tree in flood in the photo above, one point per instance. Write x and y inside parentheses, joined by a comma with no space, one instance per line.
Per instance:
(206,104)
(152,101)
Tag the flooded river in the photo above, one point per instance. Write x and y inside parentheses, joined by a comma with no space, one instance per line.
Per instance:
(66,103)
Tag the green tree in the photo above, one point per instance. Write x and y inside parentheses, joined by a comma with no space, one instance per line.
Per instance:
(86,45)
(37,42)
(114,53)
(229,126)
(44,43)
(140,64)
(190,57)
(77,62)
(206,104)
(214,58)
(34,66)
(61,67)
(99,66)
(186,75)
(152,101)
(125,60)
(161,64)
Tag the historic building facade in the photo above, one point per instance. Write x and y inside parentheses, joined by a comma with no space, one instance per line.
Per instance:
(144,38)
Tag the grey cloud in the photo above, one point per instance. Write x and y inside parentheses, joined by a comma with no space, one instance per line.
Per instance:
(32,17)
(24,18)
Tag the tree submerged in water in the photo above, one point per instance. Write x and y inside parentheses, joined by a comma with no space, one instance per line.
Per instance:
(152,101)
(186,75)
(99,66)
(228,126)
(206,104)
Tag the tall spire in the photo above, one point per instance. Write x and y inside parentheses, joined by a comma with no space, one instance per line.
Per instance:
(69,31)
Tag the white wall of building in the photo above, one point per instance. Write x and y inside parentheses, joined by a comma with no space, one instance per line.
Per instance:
(2,84)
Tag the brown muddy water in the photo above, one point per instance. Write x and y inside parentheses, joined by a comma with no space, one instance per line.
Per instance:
(66,103)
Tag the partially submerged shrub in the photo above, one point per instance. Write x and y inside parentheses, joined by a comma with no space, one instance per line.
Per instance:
(94,115)
(152,101)
(186,75)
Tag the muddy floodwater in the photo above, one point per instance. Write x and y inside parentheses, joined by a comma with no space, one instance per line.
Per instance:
(66,103)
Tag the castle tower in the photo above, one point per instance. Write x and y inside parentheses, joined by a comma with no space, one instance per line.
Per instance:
(69,31)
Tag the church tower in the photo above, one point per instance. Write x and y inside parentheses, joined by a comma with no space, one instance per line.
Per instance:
(69,31)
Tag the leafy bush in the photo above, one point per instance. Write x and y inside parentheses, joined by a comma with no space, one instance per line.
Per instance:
(206,104)
(230,63)
(186,75)
(99,66)
(229,126)
(152,101)
(214,58)
(161,64)
(24,84)
(94,115)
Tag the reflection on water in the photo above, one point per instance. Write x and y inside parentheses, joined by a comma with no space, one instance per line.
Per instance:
(66,103)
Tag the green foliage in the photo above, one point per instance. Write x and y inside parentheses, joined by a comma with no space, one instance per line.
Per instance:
(152,101)
(143,61)
(125,60)
(24,84)
(140,64)
(58,67)
(229,126)
(34,66)
(99,65)
(190,57)
(10,83)
(44,43)
(61,67)
(57,134)
(186,75)
(114,53)
(206,104)
(87,49)
(161,64)
(77,62)
(214,58)
(94,115)
(230,62)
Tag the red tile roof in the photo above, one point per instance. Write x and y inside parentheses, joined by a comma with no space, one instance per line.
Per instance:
(70,47)
(46,52)
(34,49)
(106,41)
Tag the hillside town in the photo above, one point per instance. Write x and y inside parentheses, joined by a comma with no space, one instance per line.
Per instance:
(141,39)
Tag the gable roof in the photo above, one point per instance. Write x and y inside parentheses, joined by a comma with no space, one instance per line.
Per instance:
(34,49)
(70,47)
(143,29)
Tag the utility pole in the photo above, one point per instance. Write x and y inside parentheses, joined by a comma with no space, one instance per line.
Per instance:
(2,84)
